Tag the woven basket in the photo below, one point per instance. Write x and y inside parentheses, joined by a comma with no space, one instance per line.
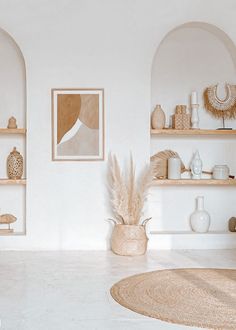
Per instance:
(129,240)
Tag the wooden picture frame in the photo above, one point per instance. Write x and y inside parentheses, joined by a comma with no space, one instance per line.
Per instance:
(77,124)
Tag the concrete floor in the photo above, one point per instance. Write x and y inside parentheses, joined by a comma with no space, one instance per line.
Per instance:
(70,290)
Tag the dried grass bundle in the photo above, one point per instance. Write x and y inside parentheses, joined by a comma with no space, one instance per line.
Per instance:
(128,195)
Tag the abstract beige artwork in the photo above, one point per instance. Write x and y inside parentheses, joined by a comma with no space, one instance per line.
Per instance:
(78,124)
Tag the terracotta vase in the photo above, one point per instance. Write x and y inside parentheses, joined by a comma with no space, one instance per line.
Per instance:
(158,119)
(129,240)
(15,165)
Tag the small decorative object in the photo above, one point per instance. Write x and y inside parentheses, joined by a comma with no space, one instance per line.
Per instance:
(200,219)
(14,165)
(177,121)
(159,163)
(186,120)
(181,119)
(158,118)
(225,109)
(194,108)
(7,219)
(77,124)
(232,224)
(174,168)
(196,166)
(220,172)
(12,123)
(128,198)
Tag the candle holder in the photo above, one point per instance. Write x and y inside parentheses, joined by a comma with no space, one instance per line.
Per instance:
(194,116)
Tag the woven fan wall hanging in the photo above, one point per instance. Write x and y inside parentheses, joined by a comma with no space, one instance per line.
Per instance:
(225,109)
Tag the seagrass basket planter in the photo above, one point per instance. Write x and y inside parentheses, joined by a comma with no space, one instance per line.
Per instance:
(129,240)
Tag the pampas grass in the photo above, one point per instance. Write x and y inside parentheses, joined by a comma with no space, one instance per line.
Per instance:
(128,195)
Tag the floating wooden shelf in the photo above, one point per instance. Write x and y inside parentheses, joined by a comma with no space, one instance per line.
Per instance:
(170,232)
(192,132)
(12,130)
(191,182)
(14,233)
(12,182)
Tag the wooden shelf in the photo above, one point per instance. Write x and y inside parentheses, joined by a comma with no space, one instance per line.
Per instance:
(12,182)
(12,130)
(191,182)
(14,233)
(169,232)
(192,132)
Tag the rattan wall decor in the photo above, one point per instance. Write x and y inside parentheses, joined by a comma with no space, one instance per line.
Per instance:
(226,108)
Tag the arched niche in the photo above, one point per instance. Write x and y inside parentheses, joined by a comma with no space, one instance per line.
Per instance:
(12,81)
(12,103)
(192,57)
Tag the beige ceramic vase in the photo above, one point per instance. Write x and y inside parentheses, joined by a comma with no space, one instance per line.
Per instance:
(158,118)
(129,240)
(15,165)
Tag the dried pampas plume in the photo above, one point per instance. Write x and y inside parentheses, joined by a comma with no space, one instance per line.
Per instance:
(128,195)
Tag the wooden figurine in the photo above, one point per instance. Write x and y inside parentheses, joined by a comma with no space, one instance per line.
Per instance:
(12,123)
(7,219)
(232,224)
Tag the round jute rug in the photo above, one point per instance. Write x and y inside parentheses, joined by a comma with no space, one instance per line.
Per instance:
(204,298)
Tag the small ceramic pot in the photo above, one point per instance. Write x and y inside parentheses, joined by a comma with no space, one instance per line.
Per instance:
(220,172)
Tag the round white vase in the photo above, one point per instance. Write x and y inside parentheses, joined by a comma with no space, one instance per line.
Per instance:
(200,219)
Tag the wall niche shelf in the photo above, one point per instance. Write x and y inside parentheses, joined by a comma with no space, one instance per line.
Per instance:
(12,182)
(13,88)
(197,132)
(13,131)
(190,182)
(216,232)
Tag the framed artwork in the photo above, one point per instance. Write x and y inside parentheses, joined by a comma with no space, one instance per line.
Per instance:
(77,124)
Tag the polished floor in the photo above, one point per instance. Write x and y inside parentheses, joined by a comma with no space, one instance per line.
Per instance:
(70,290)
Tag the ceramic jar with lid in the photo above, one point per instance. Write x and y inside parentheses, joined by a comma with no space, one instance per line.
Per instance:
(15,165)
(220,172)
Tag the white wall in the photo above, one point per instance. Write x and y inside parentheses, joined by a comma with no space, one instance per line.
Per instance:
(90,43)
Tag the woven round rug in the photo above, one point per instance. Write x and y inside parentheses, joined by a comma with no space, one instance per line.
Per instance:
(204,298)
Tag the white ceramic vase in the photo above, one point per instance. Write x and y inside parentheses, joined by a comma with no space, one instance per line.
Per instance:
(200,219)
(158,119)
(174,168)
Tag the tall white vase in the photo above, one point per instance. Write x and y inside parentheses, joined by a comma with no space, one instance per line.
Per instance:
(200,219)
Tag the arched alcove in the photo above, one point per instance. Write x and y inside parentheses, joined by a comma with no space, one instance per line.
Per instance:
(191,57)
(12,103)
